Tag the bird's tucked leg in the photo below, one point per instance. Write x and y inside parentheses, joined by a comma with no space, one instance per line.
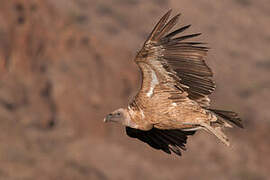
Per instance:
(217,132)
(211,129)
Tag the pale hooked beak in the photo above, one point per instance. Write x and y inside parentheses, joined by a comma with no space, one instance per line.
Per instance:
(107,118)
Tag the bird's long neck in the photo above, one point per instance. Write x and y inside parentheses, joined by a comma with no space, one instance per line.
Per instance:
(137,119)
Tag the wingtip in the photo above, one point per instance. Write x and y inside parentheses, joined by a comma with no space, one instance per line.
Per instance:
(178,15)
(161,23)
(169,11)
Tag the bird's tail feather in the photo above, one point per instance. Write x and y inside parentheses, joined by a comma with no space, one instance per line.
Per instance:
(224,119)
(229,116)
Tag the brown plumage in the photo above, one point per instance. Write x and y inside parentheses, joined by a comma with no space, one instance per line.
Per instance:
(173,102)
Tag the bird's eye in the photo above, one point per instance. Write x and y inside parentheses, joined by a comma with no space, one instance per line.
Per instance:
(118,114)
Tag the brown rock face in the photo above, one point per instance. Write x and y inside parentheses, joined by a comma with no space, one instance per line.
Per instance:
(65,64)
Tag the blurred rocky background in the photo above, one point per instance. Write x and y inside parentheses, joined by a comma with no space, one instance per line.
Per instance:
(65,64)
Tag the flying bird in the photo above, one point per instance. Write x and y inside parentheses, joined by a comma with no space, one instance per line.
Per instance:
(173,101)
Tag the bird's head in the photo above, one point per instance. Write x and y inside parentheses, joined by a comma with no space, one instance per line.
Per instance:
(119,116)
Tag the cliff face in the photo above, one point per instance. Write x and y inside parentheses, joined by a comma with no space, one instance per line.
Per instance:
(65,64)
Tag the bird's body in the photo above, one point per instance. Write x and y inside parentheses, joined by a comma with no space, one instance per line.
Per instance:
(173,102)
(163,113)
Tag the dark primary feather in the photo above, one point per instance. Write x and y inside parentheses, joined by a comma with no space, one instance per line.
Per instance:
(186,37)
(184,60)
(159,25)
(172,34)
(165,140)
(168,26)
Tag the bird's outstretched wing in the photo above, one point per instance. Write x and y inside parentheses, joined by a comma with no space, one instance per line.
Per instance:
(165,140)
(177,63)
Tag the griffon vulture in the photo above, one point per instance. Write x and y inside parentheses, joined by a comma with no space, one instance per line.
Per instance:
(173,101)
